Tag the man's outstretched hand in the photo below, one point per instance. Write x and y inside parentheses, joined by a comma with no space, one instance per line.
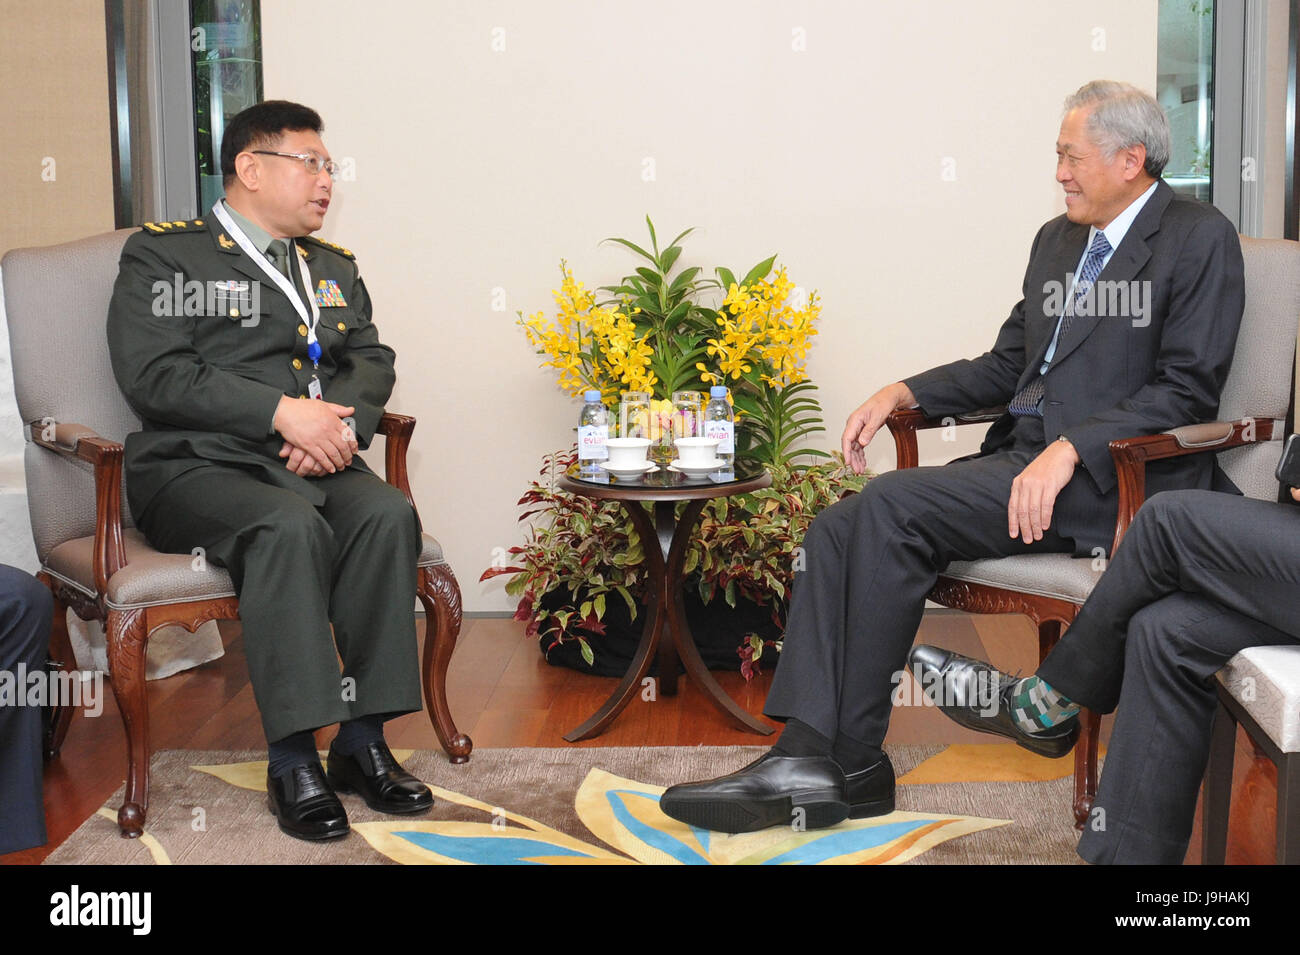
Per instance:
(866,421)
(316,439)
(1034,491)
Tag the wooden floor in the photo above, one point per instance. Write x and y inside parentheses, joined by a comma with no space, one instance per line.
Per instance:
(503,694)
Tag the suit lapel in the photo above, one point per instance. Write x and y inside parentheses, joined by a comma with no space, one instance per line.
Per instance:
(1129,259)
(1061,259)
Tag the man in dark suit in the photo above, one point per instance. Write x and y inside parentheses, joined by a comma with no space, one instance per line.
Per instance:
(1199,577)
(25,612)
(247,348)
(1131,303)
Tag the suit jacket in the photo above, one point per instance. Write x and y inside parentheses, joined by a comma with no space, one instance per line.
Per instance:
(1114,375)
(204,345)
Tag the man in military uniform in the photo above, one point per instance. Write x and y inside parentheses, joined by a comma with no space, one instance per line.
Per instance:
(246,346)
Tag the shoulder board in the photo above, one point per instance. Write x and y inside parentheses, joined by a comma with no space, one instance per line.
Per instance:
(346,253)
(162,228)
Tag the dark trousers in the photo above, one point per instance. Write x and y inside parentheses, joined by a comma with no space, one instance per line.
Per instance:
(297,570)
(870,561)
(25,613)
(1199,577)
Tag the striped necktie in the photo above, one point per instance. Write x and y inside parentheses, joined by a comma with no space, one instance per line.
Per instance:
(1030,398)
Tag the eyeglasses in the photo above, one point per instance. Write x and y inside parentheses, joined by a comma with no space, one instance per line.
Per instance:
(313,162)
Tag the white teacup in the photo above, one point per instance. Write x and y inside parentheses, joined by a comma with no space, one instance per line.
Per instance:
(697,452)
(626,454)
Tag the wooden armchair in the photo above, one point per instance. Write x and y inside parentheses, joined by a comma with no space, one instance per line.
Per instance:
(92,558)
(1050,588)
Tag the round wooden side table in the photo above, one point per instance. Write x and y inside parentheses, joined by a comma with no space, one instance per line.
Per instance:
(666,634)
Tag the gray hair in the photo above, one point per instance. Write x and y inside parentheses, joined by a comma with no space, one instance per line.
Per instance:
(1124,116)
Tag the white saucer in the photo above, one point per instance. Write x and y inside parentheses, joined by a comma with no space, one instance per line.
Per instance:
(643,468)
(697,470)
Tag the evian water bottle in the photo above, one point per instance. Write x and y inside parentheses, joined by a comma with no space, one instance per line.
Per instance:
(593,432)
(721,424)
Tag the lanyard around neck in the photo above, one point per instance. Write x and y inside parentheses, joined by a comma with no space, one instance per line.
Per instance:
(281,281)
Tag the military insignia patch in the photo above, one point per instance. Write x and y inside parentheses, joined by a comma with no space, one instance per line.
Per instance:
(328,294)
(346,253)
(225,241)
(169,228)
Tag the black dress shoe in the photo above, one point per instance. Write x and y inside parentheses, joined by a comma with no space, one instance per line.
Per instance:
(768,792)
(871,790)
(976,695)
(380,779)
(304,805)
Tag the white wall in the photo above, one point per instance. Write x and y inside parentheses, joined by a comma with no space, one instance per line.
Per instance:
(479,168)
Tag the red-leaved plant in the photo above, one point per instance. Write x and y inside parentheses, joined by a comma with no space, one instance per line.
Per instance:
(745,546)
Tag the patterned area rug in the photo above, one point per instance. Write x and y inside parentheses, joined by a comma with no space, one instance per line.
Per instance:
(960,804)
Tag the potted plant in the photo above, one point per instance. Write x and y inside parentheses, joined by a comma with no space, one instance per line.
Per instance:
(660,330)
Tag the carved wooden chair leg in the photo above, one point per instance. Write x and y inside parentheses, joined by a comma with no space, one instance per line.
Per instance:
(1049,632)
(1085,751)
(1085,766)
(57,718)
(127,638)
(440,595)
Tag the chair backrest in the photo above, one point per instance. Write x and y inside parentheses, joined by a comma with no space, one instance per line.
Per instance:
(1260,383)
(56,301)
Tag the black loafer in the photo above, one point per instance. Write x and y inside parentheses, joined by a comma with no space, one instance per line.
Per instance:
(380,779)
(802,791)
(871,790)
(304,805)
(976,695)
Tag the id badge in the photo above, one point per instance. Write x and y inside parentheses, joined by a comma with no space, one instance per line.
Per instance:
(314,389)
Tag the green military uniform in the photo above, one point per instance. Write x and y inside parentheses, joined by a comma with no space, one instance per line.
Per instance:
(204,346)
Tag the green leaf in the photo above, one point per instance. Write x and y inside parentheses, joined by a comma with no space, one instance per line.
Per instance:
(586,652)
(759,271)
(668,258)
(683,279)
(653,241)
(681,236)
(635,248)
(627,598)
(727,277)
(679,311)
(653,279)
(600,606)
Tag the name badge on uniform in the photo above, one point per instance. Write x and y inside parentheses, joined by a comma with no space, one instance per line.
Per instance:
(328,294)
(314,389)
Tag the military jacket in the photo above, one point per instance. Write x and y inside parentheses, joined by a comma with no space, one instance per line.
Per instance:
(204,345)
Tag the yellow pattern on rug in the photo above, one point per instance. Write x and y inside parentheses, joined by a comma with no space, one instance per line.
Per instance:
(987,763)
(155,848)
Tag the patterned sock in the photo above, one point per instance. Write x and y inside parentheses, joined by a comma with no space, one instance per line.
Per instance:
(1036,707)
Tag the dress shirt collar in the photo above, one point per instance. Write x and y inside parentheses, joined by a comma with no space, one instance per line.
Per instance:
(1119,226)
(256,234)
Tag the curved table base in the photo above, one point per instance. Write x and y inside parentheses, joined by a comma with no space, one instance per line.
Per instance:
(666,634)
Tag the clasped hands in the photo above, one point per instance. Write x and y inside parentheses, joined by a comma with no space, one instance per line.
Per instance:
(317,440)
(1033,492)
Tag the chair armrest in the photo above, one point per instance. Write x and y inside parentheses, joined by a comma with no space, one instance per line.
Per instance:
(82,443)
(397,430)
(1131,455)
(904,425)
